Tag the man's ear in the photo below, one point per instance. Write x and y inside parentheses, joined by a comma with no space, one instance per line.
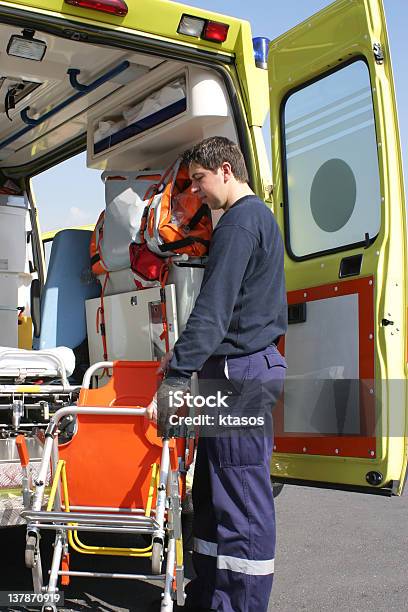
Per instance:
(227,171)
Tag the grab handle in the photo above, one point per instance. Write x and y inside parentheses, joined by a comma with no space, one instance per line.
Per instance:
(82,90)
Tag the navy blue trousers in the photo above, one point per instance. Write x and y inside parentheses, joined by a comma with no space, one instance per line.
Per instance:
(234,517)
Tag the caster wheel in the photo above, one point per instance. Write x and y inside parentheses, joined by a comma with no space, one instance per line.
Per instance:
(31,551)
(157,557)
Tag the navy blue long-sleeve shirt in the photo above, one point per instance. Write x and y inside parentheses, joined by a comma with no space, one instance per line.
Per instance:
(242,305)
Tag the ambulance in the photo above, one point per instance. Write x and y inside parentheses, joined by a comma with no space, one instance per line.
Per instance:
(135,84)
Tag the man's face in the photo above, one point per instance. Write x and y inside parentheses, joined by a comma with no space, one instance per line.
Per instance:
(209,185)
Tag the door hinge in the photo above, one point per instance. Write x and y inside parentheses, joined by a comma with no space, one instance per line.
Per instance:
(378,53)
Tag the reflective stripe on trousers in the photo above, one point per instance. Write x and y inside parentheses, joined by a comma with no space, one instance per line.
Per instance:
(234,518)
(244,566)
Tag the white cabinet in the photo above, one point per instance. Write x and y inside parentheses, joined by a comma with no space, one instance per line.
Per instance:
(158,116)
(133,323)
(8,310)
(13,236)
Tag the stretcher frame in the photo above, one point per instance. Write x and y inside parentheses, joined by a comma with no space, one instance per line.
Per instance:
(21,373)
(163,522)
(17,400)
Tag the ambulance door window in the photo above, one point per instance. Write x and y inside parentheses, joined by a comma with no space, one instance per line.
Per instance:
(332,174)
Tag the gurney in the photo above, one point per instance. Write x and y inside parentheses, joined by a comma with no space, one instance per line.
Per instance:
(115,476)
(31,382)
(21,364)
(33,385)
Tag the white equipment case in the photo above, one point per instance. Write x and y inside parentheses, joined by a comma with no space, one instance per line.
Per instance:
(133,323)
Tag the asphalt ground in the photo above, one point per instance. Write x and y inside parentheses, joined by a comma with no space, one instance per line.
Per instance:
(336,552)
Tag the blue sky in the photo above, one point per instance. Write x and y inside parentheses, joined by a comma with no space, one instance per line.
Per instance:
(64,203)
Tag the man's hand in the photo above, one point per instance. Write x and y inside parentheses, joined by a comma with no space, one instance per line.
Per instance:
(151,410)
(165,400)
(164,363)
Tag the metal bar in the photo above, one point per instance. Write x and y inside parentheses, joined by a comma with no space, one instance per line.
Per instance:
(56,561)
(95,529)
(22,426)
(161,493)
(71,517)
(175,506)
(167,600)
(100,365)
(36,389)
(106,575)
(37,575)
(109,509)
(54,464)
(76,516)
(42,473)
(102,411)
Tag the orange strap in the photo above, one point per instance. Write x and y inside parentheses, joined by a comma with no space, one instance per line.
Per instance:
(65,568)
(164,273)
(22,450)
(100,320)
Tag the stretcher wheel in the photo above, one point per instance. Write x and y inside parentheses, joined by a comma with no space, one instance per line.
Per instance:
(157,557)
(31,551)
(166,607)
(49,608)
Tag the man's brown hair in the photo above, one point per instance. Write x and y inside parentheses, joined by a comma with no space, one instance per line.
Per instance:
(212,152)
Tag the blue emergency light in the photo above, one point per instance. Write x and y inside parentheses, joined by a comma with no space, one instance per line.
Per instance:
(261,48)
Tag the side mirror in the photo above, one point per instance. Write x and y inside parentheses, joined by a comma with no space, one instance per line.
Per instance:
(35,295)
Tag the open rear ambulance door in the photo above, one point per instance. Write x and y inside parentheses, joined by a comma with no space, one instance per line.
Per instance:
(339,199)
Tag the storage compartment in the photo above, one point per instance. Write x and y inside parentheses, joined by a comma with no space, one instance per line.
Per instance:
(14,292)
(133,323)
(13,234)
(164,103)
(15,278)
(186,275)
(174,105)
(8,310)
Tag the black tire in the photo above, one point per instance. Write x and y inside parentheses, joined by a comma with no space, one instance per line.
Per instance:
(277,488)
(31,551)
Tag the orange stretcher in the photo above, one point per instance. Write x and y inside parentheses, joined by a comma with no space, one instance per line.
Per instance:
(116,476)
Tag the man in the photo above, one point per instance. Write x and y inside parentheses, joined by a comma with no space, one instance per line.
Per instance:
(230,340)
